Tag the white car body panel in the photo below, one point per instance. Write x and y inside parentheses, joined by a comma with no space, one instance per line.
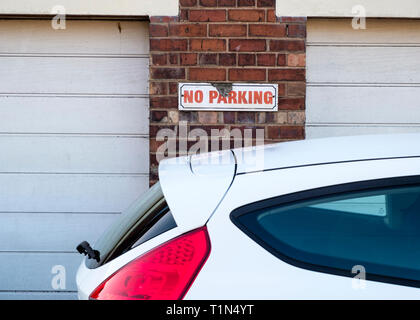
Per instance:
(329,150)
(239,268)
(199,193)
(183,179)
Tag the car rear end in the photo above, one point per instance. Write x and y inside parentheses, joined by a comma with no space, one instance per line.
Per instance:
(158,246)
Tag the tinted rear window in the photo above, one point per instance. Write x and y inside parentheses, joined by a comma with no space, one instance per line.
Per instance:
(146,218)
(378,228)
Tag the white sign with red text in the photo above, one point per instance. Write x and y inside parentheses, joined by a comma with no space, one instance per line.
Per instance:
(228,97)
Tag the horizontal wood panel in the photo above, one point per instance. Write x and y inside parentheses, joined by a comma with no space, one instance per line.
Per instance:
(363,105)
(363,65)
(362,81)
(50,231)
(79,37)
(378,31)
(32,271)
(73,154)
(74,75)
(332,131)
(38,295)
(69,193)
(74,115)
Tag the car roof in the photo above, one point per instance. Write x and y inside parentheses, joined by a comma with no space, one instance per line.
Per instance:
(327,150)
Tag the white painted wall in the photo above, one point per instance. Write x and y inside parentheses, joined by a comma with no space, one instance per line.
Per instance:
(299,8)
(74,146)
(362,81)
(93,7)
(343,8)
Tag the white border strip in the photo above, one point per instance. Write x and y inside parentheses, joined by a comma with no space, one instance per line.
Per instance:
(343,8)
(92,7)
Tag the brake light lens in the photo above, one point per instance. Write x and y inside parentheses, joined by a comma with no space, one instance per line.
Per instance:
(164,273)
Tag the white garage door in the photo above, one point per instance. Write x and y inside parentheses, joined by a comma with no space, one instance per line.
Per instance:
(73,143)
(363,81)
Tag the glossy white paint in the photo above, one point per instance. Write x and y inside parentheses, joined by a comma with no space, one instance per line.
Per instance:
(187,177)
(238,268)
(327,150)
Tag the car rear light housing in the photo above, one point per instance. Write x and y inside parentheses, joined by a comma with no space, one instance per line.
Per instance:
(164,273)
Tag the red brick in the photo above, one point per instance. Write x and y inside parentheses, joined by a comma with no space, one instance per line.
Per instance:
(246,3)
(207,45)
(183,15)
(246,60)
(162,19)
(285,132)
(246,117)
(265,3)
(250,45)
(293,19)
(227,59)
(158,116)
(271,16)
(266,59)
(168,73)
(207,15)
(164,102)
(188,30)
(267,30)
(207,117)
(168,45)
(208,58)
(189,116)
(247,74)
(154,129)
(291,104)
(207,74)
(226,3)
(188,59)
(174,59)
(281,60)
(157,88)
(287,45)
(246,15)
(154,145)
(296,89)
(286,75)
(188,3)
(173,87)
(296,60)
(227,30)
(229,117)
(158,30)
(159,59)
(296,30)
(282,89)
(208,3)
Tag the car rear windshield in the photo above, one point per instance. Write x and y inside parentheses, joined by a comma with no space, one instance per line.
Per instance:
(377,229)
(146,218)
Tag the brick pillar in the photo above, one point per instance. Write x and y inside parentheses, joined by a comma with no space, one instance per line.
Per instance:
(227,41)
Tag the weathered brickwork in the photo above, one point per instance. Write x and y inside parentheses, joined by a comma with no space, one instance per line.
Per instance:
(227,41)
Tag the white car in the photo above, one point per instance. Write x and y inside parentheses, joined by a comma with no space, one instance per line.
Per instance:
(335,218)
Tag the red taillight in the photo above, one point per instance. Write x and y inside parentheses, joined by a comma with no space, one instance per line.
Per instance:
(164,273)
